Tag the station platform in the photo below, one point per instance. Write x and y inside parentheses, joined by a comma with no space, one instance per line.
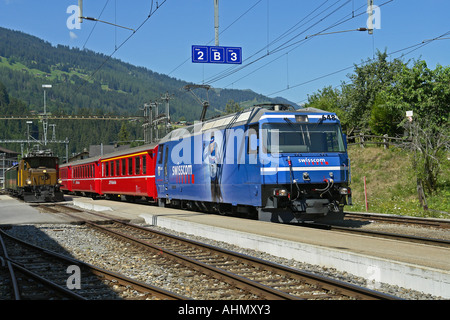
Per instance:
(13,211)
(418,267)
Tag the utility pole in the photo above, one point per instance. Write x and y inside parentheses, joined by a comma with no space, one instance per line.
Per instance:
(148,122)
(45,119)
(54,132)
(370,19)
(166,98)
(216,21)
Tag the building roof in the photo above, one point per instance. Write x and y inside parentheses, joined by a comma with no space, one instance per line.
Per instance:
(4,150)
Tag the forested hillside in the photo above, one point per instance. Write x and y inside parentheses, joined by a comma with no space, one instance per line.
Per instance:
(80,87)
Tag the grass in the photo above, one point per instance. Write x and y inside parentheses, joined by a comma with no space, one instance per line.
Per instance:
(54,74)
(391,184)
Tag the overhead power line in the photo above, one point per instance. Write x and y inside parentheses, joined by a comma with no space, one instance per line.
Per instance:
(413,47)
(152,12)
(232,70)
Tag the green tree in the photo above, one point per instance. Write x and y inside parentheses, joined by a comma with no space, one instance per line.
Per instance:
(124,135)
(329,99)
(232,107)
(367,82)
(427,93)
(384,119)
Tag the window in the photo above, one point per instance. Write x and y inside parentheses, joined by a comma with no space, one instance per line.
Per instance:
(130,167)
(253,135)
(160,154)
(124,167)
(106,169)
(165,162)
(117,168)
(144,164)
(137,166)
(302,138)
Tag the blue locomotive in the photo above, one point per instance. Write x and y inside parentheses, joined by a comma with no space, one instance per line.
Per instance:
(271,161)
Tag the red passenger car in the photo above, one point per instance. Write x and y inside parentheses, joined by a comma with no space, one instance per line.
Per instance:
(129,173)
(81,177)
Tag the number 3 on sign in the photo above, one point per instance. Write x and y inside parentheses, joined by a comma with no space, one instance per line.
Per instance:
(234,55)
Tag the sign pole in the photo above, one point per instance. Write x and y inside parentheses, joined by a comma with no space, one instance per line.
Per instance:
(216,21)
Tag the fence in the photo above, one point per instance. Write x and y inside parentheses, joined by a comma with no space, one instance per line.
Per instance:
(373,139)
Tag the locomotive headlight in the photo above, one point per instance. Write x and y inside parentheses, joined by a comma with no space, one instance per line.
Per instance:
(28,181)
(345,191)
(60,181)
(44,171)
(280,192)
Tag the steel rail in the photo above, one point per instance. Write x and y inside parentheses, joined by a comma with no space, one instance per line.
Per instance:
(220,274)
(139,286)
(15,286)
(429,222)
(394,236)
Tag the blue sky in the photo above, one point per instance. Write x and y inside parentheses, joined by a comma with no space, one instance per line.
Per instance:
(290,67)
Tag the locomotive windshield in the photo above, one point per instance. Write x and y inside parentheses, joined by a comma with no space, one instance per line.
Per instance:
(36,162)
(302,137)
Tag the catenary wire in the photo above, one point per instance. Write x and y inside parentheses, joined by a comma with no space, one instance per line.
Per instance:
(413,47)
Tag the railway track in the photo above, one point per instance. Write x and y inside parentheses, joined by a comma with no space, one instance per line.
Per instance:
(423,222)
(380,234)
(260,278)
(35,273)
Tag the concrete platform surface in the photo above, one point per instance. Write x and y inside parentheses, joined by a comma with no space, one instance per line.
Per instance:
(13,211)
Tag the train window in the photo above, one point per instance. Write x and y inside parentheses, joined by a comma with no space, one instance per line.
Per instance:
(124,167)
(111,168)
(160,154)
(302,137)
(106,169)
(130,167)
(144,164)
(117,168)
(253,135)
(165,161)
(137,165)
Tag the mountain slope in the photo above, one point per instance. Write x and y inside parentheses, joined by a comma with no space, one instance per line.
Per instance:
(27,62)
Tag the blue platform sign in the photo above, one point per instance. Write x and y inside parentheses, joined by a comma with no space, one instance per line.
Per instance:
(214,54)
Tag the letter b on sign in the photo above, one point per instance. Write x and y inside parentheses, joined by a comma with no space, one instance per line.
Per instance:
(217,54)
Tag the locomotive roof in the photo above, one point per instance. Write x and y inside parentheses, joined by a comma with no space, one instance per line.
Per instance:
(248,116)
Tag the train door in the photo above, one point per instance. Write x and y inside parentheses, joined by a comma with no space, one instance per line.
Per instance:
(165,168)
(97,177)
(162,173)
